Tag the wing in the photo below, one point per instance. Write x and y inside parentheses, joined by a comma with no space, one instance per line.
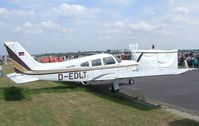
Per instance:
(136,74)
(160,72)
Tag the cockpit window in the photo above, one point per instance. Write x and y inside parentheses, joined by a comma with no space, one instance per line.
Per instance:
(85,64)
(96,62)
(118,60)
(108,60)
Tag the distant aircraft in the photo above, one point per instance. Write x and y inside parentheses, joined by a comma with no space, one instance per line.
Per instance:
(95,69)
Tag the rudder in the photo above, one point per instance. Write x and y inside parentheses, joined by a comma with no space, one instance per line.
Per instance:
(21,60)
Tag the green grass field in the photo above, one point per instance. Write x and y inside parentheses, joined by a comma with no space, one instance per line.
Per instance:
(45,103)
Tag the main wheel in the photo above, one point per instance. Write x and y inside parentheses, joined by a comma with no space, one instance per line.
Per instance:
(131,81)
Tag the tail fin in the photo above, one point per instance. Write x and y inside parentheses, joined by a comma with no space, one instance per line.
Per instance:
(21,60)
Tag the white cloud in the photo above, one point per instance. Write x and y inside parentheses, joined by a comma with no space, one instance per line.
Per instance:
(142,26)
(24,13)
(31,28)
(71,9)
(111,3)
(13,12)
(118,24)
(177,14)
(114,25)
(75,10)
(2,24)
(3,11)
(180,10)
(166,22)
(171,2)
(28,25)
(112,31)
(28,28)
(49,24)
(121,2)
(109,29)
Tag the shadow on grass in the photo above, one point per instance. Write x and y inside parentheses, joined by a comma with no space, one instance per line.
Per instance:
(18,93)
(184,122)
(98,90)
(104,92)
(15,93)
(69,87)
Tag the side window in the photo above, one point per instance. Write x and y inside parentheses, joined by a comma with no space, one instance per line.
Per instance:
(118,60)
(85,64)
(96,62)
(108,60)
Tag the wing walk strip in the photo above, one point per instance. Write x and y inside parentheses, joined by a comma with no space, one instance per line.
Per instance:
(101,76)
(44,72)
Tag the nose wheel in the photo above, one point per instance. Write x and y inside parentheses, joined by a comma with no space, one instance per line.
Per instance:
(115,87)
(113,90)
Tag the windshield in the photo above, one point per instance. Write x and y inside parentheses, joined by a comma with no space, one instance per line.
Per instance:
(118,60)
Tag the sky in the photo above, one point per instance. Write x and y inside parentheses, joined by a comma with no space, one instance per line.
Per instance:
(46,26)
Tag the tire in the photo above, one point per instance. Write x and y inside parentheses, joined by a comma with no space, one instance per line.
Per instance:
(131,81)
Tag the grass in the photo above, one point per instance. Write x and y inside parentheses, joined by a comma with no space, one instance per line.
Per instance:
(45,103)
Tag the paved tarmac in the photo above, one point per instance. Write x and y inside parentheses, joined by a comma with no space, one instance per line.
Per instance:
(176,91)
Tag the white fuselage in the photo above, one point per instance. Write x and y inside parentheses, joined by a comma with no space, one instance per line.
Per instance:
(95,68)
(89,68)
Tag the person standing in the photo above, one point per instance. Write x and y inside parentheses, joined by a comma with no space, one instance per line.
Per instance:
(1,71)
(153,46)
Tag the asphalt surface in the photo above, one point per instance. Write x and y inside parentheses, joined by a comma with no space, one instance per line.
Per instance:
(180,92)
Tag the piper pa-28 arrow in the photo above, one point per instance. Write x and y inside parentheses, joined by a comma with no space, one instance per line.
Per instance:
(94,69)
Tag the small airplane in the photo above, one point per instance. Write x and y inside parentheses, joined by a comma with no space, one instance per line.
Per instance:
(94,69)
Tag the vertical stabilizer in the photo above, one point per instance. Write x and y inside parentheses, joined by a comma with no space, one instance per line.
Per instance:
(21,60)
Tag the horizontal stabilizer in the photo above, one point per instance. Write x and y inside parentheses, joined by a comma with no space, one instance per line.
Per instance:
(21,78)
